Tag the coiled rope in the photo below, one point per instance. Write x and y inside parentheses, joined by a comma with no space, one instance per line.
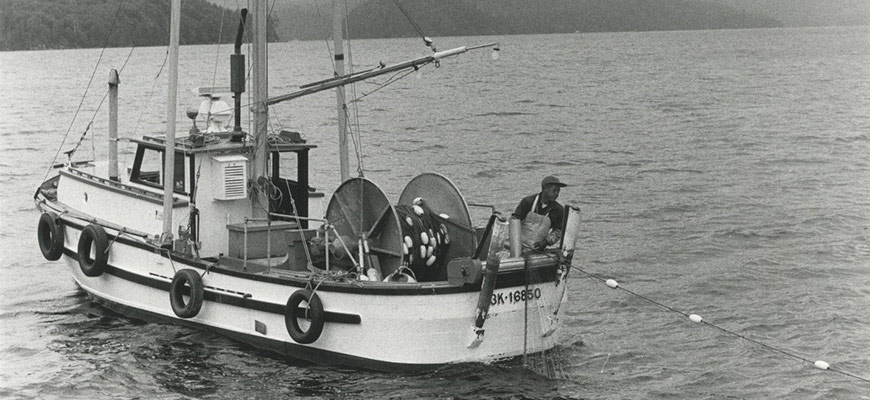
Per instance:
(697,319)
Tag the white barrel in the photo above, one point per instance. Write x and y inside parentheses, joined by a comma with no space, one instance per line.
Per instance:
(516,240)
(572,230)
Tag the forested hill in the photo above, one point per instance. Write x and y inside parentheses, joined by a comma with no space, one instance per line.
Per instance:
(47,24)
(55,24)
(304,19)
(465,17)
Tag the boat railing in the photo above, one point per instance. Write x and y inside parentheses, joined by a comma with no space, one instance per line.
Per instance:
(120,187)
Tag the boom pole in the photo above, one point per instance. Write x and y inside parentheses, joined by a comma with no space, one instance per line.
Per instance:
(348,79)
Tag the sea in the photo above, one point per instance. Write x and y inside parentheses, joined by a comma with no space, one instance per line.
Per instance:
(721,173)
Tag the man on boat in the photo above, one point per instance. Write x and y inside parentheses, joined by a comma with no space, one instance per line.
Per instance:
(541,215)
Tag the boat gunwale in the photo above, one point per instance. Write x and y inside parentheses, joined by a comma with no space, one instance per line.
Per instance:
(507,279)
(121,188)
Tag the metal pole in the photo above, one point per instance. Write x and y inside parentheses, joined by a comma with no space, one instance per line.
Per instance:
(338,45)
(113,124)
(237,78)
(169,153)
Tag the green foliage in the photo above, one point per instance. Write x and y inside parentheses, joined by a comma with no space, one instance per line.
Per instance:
(55,24)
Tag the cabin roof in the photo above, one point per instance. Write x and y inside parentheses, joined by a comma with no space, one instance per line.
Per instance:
(185,145)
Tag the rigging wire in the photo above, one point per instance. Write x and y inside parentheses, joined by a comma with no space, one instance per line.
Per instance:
(425,38)
(72,151)
(151,92)
(357,139)
(393,79)
(87,88)
(217,59)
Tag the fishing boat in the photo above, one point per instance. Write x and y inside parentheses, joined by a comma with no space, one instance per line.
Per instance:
(211,230)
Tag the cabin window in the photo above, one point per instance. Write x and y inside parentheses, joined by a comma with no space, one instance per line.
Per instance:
(151,169)
(286,166)
(148,169)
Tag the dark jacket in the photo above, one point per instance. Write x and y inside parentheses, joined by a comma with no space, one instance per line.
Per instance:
(554,210)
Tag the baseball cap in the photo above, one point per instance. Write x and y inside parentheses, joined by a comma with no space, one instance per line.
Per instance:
(552,180)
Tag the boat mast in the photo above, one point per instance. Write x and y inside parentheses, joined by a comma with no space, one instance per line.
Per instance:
(338,45)
(113,124)
(169,153)
(259,83)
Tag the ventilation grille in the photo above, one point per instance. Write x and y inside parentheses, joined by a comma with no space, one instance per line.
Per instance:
(233,179)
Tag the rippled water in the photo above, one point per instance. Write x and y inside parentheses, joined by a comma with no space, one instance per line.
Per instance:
(721,173)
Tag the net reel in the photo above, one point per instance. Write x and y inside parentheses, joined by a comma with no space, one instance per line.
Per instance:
(429,226)
(443,199)
(361,213)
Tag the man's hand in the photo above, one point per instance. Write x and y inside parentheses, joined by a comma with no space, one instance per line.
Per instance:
(554,236)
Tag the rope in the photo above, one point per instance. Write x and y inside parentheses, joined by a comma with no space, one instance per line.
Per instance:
(151,93)
(393,79)
(299,225)
(612,284)
(357,139)
(70,153)
(118,236)
(414,24)
(218,53)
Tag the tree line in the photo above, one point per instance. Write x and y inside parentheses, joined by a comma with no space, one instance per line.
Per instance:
(60,24)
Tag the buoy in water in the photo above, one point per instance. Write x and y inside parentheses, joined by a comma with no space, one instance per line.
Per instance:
(695,318)
(822,365)
(418,210)
(612,283)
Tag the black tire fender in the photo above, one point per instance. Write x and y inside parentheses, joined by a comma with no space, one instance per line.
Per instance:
(93,235)
(313,313)
(50,233)
(195,292)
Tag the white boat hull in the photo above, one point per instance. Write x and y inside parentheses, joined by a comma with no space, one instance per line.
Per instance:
(372,325)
